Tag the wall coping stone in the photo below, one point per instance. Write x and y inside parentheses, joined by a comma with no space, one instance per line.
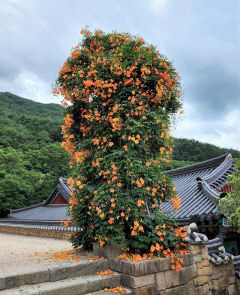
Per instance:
(146,267)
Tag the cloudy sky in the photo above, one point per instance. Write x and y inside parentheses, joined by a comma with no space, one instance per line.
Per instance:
(201,37)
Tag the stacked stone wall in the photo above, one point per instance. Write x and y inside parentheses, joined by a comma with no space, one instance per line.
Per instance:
(198,276)
(38,232)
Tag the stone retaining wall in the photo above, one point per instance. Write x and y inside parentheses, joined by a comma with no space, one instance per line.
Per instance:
(154,277)
(198,276)
(27,231)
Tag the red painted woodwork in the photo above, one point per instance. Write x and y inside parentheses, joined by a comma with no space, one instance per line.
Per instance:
(226,189)
(59,200)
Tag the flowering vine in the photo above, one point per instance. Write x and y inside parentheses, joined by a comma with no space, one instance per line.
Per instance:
(119,94)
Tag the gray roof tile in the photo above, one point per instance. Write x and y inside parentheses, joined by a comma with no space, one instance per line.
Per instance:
(197,186)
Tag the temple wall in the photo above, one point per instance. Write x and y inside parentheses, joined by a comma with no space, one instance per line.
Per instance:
(198,276)
(63,235)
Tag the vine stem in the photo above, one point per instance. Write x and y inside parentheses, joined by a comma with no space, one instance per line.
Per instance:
(148,212)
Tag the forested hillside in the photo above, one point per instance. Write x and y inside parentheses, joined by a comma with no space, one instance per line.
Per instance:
(31,156)
(193,150)
(32,159)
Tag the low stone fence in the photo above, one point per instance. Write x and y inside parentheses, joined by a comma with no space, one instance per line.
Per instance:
(55,232)
(198,275)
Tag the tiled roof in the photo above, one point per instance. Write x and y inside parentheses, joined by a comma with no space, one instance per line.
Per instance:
(63,189)
(43,213)
(40,213)
(198,186)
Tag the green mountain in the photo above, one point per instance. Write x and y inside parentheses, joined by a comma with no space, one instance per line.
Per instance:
(19,105)
(32,159)
(31,156)
(28,124)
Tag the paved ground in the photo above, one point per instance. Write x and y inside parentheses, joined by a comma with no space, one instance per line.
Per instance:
(19,253)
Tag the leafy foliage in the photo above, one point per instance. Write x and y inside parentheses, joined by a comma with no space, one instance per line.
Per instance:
(31,157)
(120,93)
(231,203)
(195,151)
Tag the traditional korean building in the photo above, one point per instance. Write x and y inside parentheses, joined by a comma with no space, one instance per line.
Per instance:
(50,212)
(199,186)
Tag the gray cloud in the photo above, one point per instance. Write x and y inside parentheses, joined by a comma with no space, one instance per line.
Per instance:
(200,37)
(214,92)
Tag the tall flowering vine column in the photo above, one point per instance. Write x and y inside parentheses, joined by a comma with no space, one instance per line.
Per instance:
(119,95)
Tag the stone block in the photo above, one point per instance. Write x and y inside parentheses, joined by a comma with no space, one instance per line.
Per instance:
(218,268)
(230,273)
(160,281)
(197,258)
(216,276)
(62,288)
(193,247)
(2,283)
(205,289)
(149,290)
(231,290)
(238,285)
(141,268)
(134,268)
(196,252)
(232,280)
(137,282)
(198,291)
(226,281)
(187,259)
(164,264)
(205,262)
(38,276)
(172,278)
(177,290)
(205,271)
(94,283)
(107,251)
(205,255)
(186,274)
(188,289)
(199,281)
(76,269)
(214,284)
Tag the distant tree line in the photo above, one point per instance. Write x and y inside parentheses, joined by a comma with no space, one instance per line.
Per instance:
(195,151)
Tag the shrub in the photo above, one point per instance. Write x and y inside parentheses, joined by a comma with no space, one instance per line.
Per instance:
(230,205)
(120,94)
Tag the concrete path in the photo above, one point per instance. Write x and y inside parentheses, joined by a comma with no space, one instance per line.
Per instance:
(20,253)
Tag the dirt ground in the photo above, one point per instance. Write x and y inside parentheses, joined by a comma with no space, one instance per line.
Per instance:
(19,253)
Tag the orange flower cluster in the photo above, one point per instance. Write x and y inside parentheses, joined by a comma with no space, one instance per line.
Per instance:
(72,255)
(119,93)
(107,272)
(61,256)
(116,290)
(135,257)
(176,262)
